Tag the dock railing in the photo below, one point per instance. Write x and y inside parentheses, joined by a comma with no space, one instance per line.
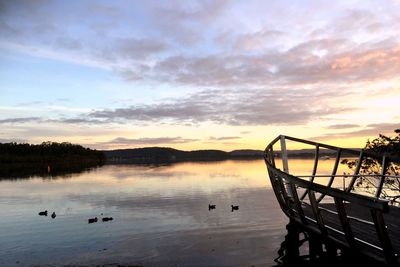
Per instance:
(362,224)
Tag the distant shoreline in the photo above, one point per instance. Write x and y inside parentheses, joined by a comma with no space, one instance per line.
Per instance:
(24,160)
(48,158)
(149,155)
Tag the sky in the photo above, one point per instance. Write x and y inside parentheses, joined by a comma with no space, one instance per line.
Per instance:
(198,74)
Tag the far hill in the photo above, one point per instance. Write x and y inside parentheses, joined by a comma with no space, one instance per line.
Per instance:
(167,155)
(310,153)
(170,155)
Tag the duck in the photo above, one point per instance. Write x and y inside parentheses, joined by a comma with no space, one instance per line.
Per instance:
(234,208)
(43,213)
(92,220)
(53,215)
(211,207)
(106,219)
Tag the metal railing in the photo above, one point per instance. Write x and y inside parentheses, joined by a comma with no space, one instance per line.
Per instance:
(310,214)
(361,154)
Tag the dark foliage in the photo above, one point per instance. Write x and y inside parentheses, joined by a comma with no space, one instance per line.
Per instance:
(49,157)
(371,167)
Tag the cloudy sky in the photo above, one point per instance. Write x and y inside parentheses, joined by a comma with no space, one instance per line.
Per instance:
(198,74)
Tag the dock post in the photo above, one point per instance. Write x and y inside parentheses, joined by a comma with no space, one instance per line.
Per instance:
(315,246)
(292,243)
(331,250)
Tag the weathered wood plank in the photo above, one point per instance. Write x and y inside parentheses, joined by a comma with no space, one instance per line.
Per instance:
(314,171)
(297,203)
(383,236)
(316,212)
(344,220)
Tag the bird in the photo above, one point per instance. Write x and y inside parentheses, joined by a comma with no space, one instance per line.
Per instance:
(211,207)
(234,208)
(43,213)
(53,215)
(106,219)
(92,220)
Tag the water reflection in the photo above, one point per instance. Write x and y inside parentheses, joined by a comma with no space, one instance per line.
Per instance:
(34,170)
(161,217)
(296,252)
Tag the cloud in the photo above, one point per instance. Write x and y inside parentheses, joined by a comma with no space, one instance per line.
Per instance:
(68,43)
(20,120)
(175,49)
(384,128)
(342,126)
(13,140)
(135,48)
(223,138)
(369,130)
(148,141)
(184,22)
(246,70)
(80,120)
(235,107)
(311,62)
(353,21)
(257,41)
(46,29)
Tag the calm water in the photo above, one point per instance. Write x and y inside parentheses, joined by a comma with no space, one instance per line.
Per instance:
(161,216)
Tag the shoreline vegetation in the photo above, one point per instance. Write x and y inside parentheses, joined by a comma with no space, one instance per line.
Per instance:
(154,155)
(22,160)
(49,158)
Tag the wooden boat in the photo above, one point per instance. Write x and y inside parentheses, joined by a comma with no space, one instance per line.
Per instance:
(335,219)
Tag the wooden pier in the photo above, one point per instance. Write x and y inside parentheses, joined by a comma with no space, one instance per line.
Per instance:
(336,219)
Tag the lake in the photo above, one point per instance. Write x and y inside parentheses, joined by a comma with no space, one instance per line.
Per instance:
(160,216)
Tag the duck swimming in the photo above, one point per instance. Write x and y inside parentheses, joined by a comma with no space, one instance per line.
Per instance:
(211,207)
(92,220)
(53,215)
(106,219)
(234,208)
(43,213)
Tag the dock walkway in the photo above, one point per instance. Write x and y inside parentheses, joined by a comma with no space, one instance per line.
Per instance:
(337,219)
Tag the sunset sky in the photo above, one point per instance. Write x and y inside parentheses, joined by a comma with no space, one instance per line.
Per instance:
(198,74)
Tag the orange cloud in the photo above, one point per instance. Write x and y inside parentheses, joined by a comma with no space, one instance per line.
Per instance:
(342,63)
(369,58)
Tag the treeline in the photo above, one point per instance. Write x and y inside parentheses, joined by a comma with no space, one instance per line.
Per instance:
(49,157)
(385,145)
(378,147)
(170,155)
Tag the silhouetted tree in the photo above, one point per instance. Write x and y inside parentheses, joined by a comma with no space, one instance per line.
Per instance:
(34,159)
(383,145)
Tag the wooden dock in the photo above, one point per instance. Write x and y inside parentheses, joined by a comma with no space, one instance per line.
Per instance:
(336,219)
